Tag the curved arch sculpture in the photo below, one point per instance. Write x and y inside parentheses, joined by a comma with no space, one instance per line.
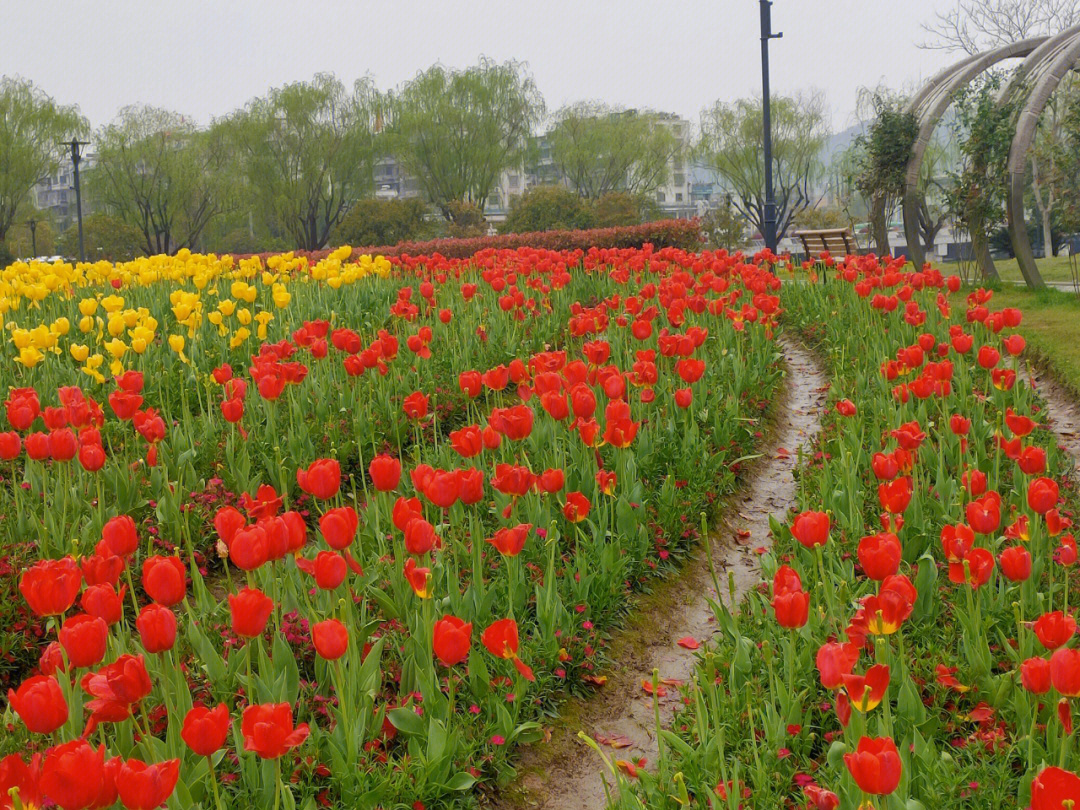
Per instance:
(929,106)
(1046,61)
(1059,62)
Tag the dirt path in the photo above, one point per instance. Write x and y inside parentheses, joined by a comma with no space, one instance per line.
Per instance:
(566,774)
(1062,414)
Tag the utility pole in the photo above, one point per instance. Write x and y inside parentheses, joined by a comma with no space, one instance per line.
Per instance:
(770,199)
(76,156)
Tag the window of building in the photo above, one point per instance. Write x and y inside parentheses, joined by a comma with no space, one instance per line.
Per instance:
(515,181)
(660,197)
(678,196)
(680,179)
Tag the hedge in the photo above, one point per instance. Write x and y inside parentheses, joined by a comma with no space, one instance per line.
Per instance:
(677,233)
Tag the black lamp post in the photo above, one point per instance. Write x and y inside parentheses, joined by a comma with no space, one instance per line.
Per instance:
(770,199)
(76,156)
(33,235)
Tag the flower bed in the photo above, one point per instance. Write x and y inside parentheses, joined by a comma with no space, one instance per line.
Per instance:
(913,644)
(340,533)
(684,234)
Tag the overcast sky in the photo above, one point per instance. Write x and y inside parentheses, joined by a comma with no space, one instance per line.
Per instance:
(204,59)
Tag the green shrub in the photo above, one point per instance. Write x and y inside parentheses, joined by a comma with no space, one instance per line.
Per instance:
(548,208)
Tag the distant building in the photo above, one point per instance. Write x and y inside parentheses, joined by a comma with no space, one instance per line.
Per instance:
(54,194)
(675,196)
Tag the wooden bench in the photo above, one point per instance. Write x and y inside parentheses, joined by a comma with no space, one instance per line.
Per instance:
(837,241)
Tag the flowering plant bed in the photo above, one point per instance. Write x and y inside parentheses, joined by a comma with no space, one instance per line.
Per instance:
(913,644)
(340,531)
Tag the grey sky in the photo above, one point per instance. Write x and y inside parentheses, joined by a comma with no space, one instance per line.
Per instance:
(206,58)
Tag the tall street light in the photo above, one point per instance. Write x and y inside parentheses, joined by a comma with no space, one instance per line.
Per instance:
(33,235)
(770,199)
(76,156)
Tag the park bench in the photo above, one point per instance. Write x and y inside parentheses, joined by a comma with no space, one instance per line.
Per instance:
(837,241)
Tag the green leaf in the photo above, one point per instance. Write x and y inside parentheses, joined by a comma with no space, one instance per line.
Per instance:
(460,781)
(407,721)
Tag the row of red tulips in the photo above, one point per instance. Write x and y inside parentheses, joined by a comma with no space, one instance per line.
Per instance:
(917,605)
(357,567)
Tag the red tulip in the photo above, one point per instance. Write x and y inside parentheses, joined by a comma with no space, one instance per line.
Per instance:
(16,775)
(879,555)
(322,478)
(443,488)
(51,586)
(1015,563)
(792,608)
(250,610)
(1065,671)
(811,528)
(515,423)
(1042,495)
(331,639)
(470,383)
(1035,675)
(690,369)
(420,537)
(339,526)
(157,628)
(84,639)
(1054,629)
(124,682)
(895,495)
(451,640)
(40,704)
(510,542)
(405,511)
(146,787)
(875,765)
(959,424)
(164,580)
(576,508)
(205,730)
(501,640)
(10,446)
(866,691)
(984,514)
(415,405)
(104,602)
(418,578)
(385,472)
(249,548)
(328,568)
(120,536)
(73,775)
(834,661)
(268,730)
(845,407)
(1055,789)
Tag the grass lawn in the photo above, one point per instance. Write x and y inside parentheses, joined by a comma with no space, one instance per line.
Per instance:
(1056,268)
(1051,327)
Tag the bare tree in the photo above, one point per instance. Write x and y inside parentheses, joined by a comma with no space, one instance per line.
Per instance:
(977,25)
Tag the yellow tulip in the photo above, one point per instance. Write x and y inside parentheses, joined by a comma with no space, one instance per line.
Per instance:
(79,351)
(176,343)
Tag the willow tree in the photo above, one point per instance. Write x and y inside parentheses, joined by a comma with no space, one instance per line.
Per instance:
(32,130)
(309,151)
(883,154)
(456,131)
(601,149)
(730,145)
(158,172)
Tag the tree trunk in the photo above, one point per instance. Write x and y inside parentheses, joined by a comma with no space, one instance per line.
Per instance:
(878,225)
(1047,235)
(1044,209)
